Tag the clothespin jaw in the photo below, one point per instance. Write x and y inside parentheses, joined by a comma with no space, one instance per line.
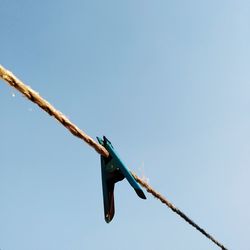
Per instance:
(114,170)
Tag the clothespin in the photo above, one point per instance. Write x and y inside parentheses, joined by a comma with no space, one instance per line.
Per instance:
(114,170)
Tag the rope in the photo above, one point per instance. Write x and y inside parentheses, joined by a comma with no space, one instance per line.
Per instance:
(47,107)
(176,210)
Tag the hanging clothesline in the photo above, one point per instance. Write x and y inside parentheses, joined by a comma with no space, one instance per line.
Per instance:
(33,96)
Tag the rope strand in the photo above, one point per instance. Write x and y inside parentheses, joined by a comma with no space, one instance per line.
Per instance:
(47,107)
(176,210)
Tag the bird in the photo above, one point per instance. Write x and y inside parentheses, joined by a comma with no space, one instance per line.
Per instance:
(114,170)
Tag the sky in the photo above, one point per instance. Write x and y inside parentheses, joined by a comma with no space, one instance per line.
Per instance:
(167,82)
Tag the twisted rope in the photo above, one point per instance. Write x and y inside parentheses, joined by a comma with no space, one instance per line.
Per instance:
(176,210)
(47,107)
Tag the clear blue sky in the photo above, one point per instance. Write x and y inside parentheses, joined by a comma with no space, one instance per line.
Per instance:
(168,82)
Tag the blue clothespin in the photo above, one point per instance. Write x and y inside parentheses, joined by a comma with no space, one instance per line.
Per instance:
(114,170)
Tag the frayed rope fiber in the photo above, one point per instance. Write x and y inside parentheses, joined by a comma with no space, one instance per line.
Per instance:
(33,96)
